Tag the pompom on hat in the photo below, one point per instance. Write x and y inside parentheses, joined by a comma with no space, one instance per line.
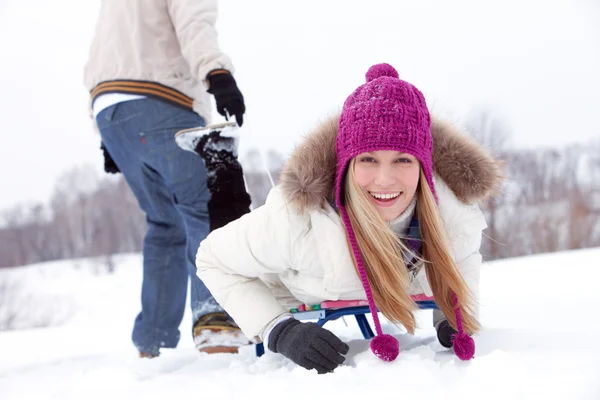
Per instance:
(387,113)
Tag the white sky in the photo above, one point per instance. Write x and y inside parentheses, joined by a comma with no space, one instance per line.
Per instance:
(534,63)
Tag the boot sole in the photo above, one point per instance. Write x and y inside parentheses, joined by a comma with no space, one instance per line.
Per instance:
(219,350)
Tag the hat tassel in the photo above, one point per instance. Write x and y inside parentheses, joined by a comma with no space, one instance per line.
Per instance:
(463,344)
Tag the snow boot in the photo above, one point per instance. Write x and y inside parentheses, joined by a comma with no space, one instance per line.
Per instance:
(216,333)
(147,355)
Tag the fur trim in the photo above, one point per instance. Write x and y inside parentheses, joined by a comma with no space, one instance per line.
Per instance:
(469,170)
(308,178)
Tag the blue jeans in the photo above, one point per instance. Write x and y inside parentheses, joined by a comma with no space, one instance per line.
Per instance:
(170,186)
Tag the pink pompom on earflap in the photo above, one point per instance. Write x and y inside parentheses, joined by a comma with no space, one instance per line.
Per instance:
(385,347)
(464,346)
(379,70)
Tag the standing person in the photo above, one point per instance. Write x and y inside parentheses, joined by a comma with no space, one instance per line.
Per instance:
(150,65)
(360,214)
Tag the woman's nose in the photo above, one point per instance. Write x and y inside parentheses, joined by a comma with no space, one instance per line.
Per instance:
(385,177)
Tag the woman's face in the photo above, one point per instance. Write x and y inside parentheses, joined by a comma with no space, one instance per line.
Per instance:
(389,178)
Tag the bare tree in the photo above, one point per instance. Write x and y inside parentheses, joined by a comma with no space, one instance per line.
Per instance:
(74,201)
(550,202)
(9,307)
(25,229)
(490,131)
(261,173)
(86,217)
(494,135)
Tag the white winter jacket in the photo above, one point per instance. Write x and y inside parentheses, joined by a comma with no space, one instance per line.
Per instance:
(277,257)
(161,48)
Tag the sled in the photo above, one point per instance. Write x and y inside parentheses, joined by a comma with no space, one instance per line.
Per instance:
(332,310)
(188,139)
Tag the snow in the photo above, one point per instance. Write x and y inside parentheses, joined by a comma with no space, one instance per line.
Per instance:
(539,341)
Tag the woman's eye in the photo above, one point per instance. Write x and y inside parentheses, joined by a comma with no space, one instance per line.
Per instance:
(404,160)
(367,159)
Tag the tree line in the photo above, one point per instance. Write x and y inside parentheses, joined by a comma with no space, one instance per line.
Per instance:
(550,202)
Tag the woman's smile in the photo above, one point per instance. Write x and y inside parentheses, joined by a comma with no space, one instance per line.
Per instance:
(385,199)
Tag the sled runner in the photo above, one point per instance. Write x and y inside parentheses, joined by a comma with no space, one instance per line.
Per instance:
(332,310)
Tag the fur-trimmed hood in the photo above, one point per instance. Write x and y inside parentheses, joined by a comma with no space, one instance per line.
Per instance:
(308,178)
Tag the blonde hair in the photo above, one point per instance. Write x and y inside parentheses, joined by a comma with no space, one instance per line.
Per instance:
(381,250)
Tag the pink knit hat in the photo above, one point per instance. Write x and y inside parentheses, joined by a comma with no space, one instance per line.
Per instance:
(387,113)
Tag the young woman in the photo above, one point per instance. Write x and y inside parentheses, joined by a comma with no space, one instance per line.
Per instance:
(360,214)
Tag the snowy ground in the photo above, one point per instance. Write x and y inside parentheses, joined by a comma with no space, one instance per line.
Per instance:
(541,341)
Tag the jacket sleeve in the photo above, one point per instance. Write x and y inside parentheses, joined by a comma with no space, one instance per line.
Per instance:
(464,227)
(194,23)
(232,259)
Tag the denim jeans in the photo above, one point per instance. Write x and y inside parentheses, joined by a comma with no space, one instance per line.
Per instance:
(170,186)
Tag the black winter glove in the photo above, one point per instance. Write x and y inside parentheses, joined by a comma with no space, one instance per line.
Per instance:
(445,332)
(227,95)
(109,164)
(308,345)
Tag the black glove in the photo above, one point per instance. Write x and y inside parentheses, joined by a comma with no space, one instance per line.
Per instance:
(308,345)
(109,164)
(445,332)
(227,95)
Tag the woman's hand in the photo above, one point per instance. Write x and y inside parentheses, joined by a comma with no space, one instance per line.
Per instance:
(308,345)
(445,334)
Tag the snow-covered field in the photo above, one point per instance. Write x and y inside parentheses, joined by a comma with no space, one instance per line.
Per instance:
(541,340)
